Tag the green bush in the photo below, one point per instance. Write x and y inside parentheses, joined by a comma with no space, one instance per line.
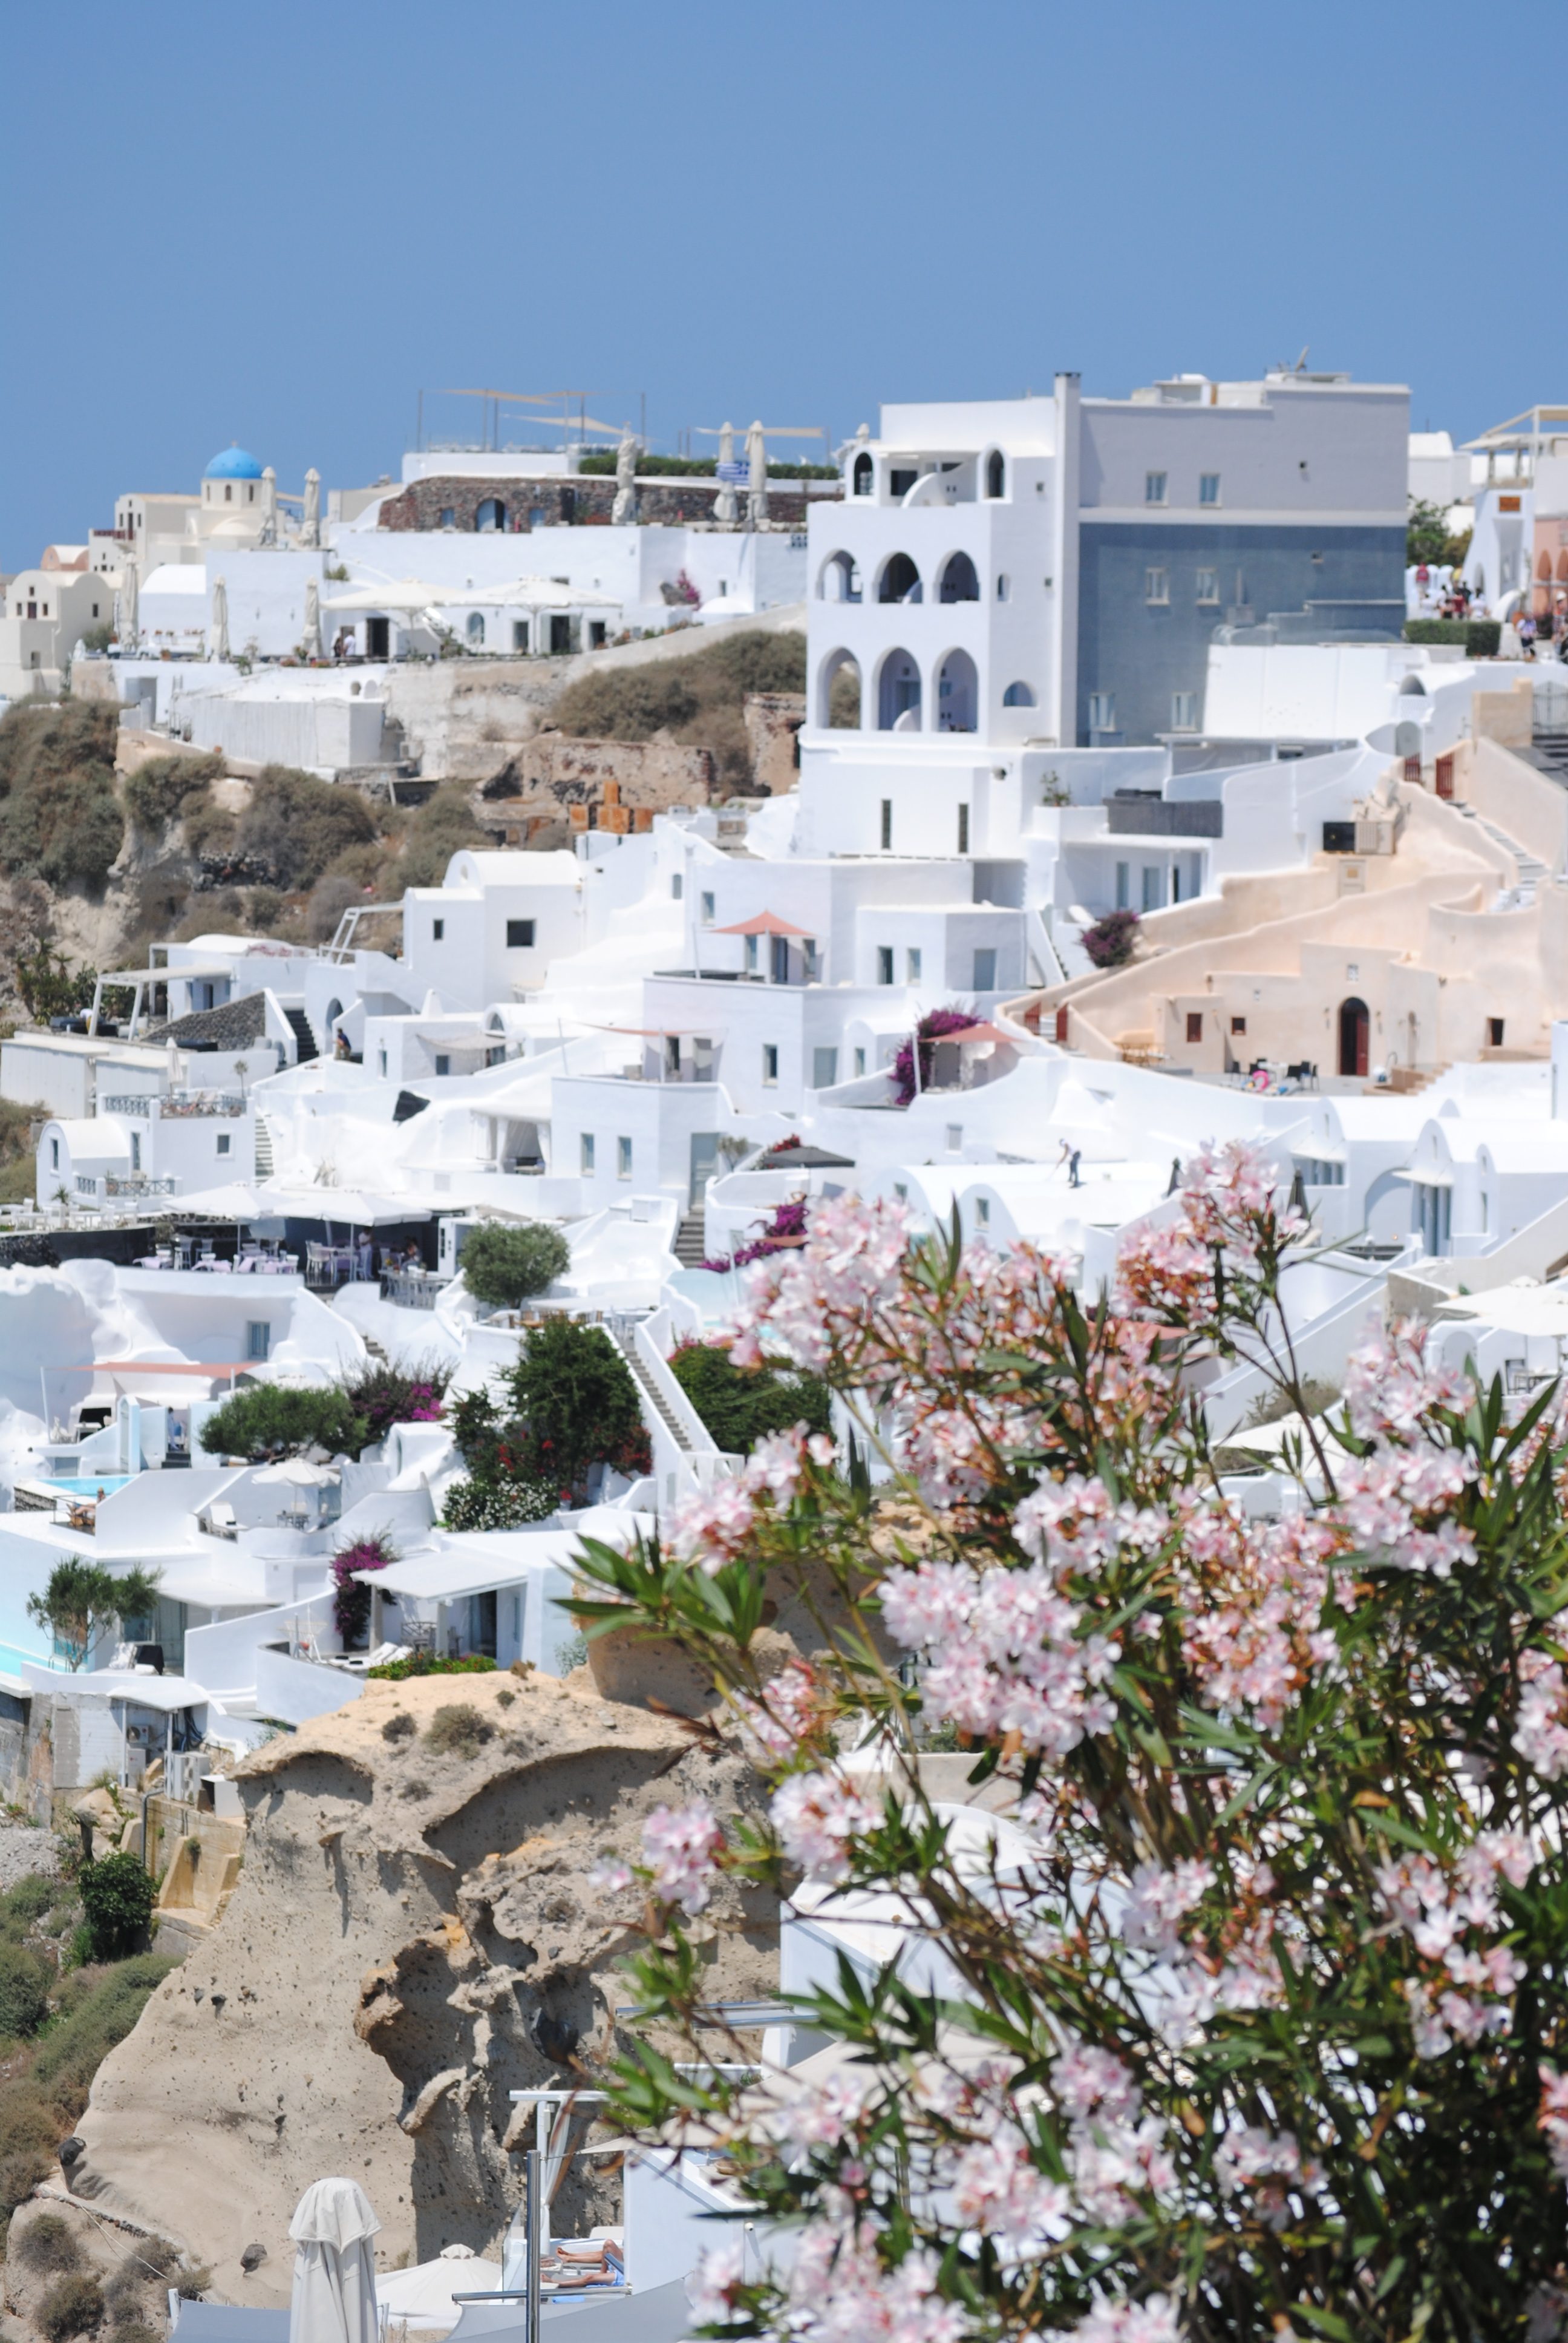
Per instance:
(459,1732)
(117,1897)
(431,1663)
(741,1405)
(74,2306)
(573,1393)
(269,1421)
(295,825)
(49,2243)
(1479,638)
(101,2013)
(60,819)
(504,1266)
(157,789)
(27,1902)
(443,826)
(23,1991)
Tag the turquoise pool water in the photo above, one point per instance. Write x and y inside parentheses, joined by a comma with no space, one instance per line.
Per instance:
(107,1481)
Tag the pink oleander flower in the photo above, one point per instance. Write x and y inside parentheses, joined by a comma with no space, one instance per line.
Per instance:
(1157,1899)
(996,2187)
(611,1876)
(680,1845)
(1267,2166)
(780,1720)
(817,1816)
(1154,2320)
(1554,2117)
(713,2287)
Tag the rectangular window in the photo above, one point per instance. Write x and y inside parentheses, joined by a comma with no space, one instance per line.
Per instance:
(1208,586)
(887,823)
(900,481)
(520,935)
(1207,488)
(983,1212)
(770,1065)
(900,1190)
(623,1158)
(1124,886)
(443,1062)
(1103,711)
(258,1338)
(884,963)
(750,955)
(54,1155)
(676,888)
(955,1138)
(705,910)
(859,1069)
(824,1068)
(1194,1025)
(985,968)
(137,1147)
(381,1064)
(963,829)
(672,1054)
(587,1155)
(1495,1032)
(437,929)
(223,1142)
(912,965)
(1153,887)
(1184,711)
(1153,488)
(1157,585)
(1238,1025)
(519,634)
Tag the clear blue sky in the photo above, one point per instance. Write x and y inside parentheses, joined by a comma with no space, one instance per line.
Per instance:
(275,224)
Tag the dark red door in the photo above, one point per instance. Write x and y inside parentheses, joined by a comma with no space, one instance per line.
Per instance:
(1354,1033)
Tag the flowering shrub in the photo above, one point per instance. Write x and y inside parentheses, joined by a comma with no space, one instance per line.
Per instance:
(350,1601)
(1245,2014)
(934,1027)
(1110,942)
(385,1395)
(785,1225)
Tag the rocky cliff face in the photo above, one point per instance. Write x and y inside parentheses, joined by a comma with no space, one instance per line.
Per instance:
(413,1937)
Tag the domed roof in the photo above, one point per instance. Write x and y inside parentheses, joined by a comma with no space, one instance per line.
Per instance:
(233,464)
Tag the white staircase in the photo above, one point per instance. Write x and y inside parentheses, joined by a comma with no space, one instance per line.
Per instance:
(265,1163)
(1532,871)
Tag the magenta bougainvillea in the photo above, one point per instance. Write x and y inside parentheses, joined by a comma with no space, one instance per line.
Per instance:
(785,1226)
(350,1601)
(935,1027)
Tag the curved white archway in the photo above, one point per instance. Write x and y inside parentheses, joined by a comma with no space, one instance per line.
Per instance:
(958,580)
(840,706)
(898,692)
(839,579)
(898,580)
(958,693)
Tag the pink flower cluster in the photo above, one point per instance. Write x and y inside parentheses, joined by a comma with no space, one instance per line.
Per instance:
(1004,1652)
(1229,1217)
(1157,1899)
(680,1844)
(778,1721)
(1253,1597)
(999,2190)
(1392,1384)
(1115,2153)
(831,1285)
(1154,2320)
(712,1527)
(1440,1911)
(840,2292)
(1541,1723)
(817,1815)
(1269,2168)
(1383,1496)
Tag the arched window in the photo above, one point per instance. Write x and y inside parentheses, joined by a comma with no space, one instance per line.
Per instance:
(865,475)
(958,581)
(476,629)
(995,473)
(840,579)
(492,514)
(1355,1034)
(1018,695)
(899,581)
(1544,567)
(839,693)
(1002,587)
(898,694)
(958,693)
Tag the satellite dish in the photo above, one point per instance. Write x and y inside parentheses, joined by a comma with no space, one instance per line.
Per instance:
(1407,740)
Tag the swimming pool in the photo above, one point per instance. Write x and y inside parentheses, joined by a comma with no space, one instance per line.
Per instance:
(105,1483)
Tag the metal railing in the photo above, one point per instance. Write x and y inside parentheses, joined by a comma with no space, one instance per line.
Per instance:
(137,1183)
(140,1104)
(342,945)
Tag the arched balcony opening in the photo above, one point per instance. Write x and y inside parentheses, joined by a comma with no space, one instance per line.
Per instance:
(491,515)
(958,694)
(960,581)
(839,693)
(476,631)
(840,579)
(864,477)
(995,474)
(900,580)
(898,694)
(1018,695)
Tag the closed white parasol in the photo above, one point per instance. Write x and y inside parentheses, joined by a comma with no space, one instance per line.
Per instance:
(334,2297)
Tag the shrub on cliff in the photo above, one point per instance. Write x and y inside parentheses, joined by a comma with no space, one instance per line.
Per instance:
(741,1405)
(443,826)
(60,819)
(157,790)
(295,825)
(699,699)
(269,1421)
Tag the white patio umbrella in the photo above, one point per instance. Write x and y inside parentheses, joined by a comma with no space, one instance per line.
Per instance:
(334,2297)
(296,1472)
(219,631)
(268,506)
(310,521)
(312,616)
(756,479)
(421,2298)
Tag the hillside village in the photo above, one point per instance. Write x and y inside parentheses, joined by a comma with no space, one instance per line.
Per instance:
(455,929)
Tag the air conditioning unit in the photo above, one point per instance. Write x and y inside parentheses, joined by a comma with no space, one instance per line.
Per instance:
(141,1736)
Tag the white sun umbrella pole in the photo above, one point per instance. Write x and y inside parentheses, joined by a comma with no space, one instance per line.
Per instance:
(334,2296)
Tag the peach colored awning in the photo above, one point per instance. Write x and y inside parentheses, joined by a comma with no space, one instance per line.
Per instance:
(764,923)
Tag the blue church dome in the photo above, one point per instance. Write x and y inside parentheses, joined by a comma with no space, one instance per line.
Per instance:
(233,464)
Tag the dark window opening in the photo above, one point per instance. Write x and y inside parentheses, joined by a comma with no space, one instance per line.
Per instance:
(864,474)
(1238,1024)
(899,483)
(1495,1032)
(1194,1025)
(520,935)
(995,474)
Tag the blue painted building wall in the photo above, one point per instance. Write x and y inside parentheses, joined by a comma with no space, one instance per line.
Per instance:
(1143,653)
